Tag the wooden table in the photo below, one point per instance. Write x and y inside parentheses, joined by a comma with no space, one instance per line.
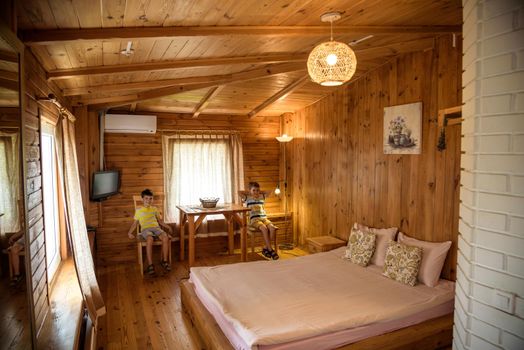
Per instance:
(232,212)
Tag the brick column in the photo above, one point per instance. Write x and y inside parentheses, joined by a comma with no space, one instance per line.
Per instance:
(491,242)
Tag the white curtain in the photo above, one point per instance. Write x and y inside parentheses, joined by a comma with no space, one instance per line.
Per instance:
(198,166)
(75,219)
(9,183)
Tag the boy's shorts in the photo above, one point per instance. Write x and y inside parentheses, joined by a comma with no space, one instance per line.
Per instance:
(154,232)
(257,222)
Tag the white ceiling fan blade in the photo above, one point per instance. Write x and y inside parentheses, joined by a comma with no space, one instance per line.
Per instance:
(355,42)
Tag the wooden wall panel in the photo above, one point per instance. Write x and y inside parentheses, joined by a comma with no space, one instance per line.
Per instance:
(10,117)
(339,174)
(88,155)
(36,86)
(139,160)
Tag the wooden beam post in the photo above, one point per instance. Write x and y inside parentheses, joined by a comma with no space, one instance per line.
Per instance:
(171,90)
(281,94)
(206,99)
(51,36)
(170,65)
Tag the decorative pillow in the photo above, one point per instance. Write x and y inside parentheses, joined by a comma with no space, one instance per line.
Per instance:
(402,262)
(433,259)
(383,236)
(361,245)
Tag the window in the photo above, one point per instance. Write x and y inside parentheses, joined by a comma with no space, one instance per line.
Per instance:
(200,165)
(50,196)
(9,183)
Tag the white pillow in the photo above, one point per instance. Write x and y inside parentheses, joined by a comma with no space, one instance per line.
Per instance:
(433,257)
(383,236)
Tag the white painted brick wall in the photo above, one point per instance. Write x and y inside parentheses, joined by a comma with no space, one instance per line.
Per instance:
(492,182)
(489,258)
(516,267)
(496,104)
(498,64)
(516,226)
(520,103)
(479,343)
(490,333)
(518,144)
(517,185)
(512,342)
(491,226)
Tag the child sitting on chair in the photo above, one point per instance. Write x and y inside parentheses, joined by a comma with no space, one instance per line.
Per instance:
(258,221)
(150,222)
(16,246)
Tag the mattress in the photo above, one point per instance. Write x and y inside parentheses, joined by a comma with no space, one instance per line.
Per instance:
(319,301)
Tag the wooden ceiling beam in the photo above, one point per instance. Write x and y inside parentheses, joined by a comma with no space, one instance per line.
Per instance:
(51,36)
(144,85)
(168,65)
(109,102)
(210,95)
(279,95)
(8,56)
(8,75)
(362,55)
(9,84)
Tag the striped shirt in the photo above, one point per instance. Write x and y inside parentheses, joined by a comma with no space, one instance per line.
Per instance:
(257,207)
(147,217)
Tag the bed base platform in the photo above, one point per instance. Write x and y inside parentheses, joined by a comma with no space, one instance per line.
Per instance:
(433,334)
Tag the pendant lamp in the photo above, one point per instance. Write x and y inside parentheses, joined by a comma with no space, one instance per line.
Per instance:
(331,63)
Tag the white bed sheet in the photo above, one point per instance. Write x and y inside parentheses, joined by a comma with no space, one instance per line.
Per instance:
(319,297)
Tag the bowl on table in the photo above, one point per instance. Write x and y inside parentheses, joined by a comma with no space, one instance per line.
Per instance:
(209,202)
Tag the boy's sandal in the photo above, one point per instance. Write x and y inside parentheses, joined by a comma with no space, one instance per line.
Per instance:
(15,280)
(166,266)
(273,255)
(266,253)
(150,270)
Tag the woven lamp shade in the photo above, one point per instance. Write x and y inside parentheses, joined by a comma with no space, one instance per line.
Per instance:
(331,63)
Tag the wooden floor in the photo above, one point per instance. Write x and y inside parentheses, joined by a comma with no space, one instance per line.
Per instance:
(145,313)
(59,329)
(15,328)
(60,326)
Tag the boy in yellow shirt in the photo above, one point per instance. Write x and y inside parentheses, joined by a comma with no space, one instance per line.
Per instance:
(258,221)
(150,222)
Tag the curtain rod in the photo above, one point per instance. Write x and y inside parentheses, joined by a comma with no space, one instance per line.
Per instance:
(61,109)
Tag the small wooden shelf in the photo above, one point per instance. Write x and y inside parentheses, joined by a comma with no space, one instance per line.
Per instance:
(450,116)
(447,117)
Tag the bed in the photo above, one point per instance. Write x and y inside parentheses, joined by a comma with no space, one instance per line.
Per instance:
(319,301)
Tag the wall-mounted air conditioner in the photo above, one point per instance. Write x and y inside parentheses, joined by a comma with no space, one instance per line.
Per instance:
(130,123)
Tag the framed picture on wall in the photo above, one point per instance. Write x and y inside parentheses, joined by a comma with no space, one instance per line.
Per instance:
(402,129)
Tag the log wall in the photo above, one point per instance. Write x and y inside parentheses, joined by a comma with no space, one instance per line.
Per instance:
(138,157)
(36,86)
(339,173)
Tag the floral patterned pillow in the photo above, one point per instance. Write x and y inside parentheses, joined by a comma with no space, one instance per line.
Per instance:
(361,245)
(402,262)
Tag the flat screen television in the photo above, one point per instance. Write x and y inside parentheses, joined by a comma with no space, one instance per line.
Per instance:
(105,184)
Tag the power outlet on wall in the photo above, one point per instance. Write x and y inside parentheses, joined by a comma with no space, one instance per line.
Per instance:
(504,301)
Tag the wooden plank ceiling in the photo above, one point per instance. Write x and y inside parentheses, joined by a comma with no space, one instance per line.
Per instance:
(183,50)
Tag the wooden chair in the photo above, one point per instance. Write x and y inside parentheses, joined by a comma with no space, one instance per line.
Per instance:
(20,255)
(141,243)
(252,231)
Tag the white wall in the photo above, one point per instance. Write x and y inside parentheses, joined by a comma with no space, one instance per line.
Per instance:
(491,240)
